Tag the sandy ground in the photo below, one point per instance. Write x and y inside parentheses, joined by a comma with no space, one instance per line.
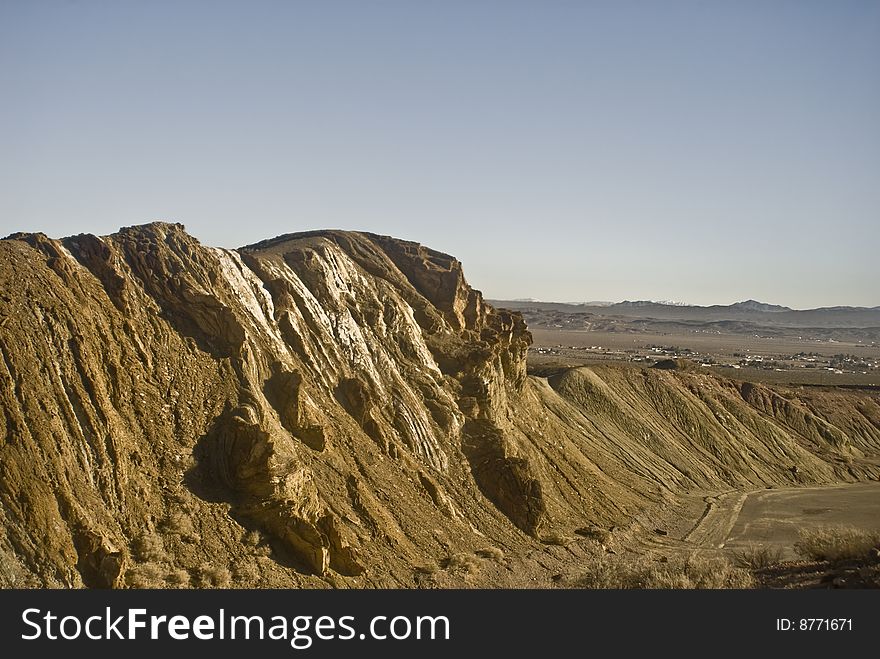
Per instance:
(729,521)
(774,517)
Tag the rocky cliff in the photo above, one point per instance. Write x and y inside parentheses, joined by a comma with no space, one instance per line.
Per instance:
(338,409)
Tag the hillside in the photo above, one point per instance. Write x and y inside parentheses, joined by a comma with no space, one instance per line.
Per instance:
(336,409)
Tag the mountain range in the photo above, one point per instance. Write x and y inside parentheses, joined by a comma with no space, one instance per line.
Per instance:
(748,310)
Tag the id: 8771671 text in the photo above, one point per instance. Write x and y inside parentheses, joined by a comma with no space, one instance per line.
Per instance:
(814,624)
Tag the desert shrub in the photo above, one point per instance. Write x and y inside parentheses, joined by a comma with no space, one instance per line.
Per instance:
(462,563)
(492,553)
(246,572)
(211,576)
(556,539)
(836,544)
(177,578)
(258,541)
(613,571)
(757,557)
(149,547)
(716,573)
(180,523)
(609,571)
(595,533)
(145,575)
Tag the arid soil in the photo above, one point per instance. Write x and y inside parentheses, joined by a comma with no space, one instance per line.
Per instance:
(333,409)
(737,519)
(775,517)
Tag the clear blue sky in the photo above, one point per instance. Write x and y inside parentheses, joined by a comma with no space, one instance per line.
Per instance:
(700,151)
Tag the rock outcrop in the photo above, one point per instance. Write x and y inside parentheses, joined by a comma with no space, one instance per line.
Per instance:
(332,409)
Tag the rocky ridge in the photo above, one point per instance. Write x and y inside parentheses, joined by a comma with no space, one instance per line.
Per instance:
(338,409)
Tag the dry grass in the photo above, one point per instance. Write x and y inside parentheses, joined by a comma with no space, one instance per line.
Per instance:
(758,557)
(178,578)
(462,563)
(621,572)
(556,539)
(246,573)
(149,547)
(145,575)
(181,524)
(598,534)
(211,576)
(155,575)
(252,538)
(492,553)
(258,541)
(836,544)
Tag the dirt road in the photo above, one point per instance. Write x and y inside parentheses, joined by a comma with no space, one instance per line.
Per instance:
(736,519)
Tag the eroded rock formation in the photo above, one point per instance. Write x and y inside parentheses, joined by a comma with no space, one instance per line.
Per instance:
(332,408)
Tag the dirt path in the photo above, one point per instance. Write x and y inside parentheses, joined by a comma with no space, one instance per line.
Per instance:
(719,517)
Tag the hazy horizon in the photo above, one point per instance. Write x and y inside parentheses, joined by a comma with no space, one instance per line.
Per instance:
(674,303)
(708,152)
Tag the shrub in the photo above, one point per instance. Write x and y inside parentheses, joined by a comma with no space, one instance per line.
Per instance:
(180,523)
(836,544)
(256,540)
(716,573)
(246,573)
(145,575)
(612,571)
(492,553)
(462,563)
(252,538)
(757,557)
(211,576)
(178,578)
(556,539)
(149,547)
(595,533)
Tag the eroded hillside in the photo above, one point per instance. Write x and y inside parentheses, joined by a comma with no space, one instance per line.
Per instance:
(340,409)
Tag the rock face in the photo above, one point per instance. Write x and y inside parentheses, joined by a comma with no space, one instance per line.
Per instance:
(332,408)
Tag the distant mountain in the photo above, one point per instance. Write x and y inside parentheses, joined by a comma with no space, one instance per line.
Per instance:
(649,303)
(633,304)
(754,305)
(846,308)
(746,305)
(752,312)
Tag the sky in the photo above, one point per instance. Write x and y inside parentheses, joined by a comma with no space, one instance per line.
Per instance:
(706,152)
